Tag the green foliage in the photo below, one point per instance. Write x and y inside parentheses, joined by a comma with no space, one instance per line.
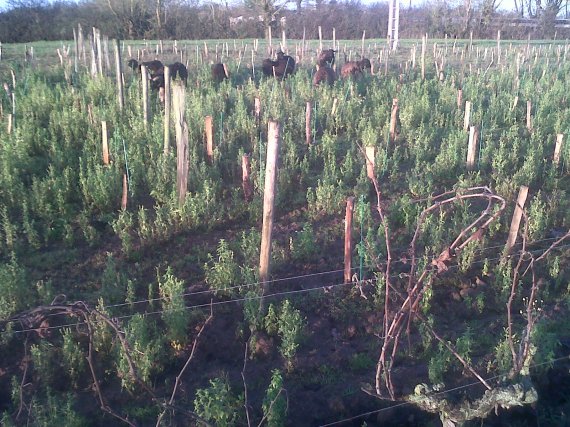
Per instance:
(55,411)
(73,357)
(222,272)
(218,404)
(146,351)
(174,313)
(288,323)
(15,292)
(275,401)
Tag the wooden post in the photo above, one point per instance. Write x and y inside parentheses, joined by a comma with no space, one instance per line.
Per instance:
(320,39)
(370,161)
(516,221)
(144,80)
(179,101)
(308,130)
(268,201)
(472,147)
(257,109)
(528,116)
(10,123)
(499,47)
(105,142)
(393,120)
(167,103)
(245,180)
(334,107)
(515,103)
(558,149)
(119,74)
(459,98)
(467,118)
(423,58)
(209,130)
(348,239)
(125,193)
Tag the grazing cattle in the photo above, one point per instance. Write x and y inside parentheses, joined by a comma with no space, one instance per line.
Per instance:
(355,68)
(324,74)
(179,71)
(220,72)
(327,56)
(154,67)
(283,67)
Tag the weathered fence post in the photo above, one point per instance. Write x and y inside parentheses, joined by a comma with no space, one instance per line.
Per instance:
(119,74)
(516,221)
(179,101)
(472,147)
(209,131)
(558,149)
(10,123)
(125,192)
(467,117)
(167,104)
(308,133)
(423,58)
(144,81)
(459,98)
(529,116)
(245,180)
(370,161)
(105,142)
(348,239)
(268,202)
(334,107)
(393,120)
(257,109)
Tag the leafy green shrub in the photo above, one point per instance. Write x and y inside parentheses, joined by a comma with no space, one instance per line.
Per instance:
(275,402)
(15,293)
(174,310)
(288,323)
(218,404)
(73,357)
(146,350)
(222,273)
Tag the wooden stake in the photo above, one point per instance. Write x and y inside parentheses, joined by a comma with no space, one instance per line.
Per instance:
(472,147)
(370,161)
(516,221)
(308,130)
(334,107)
(459,98)
(10,123)
(467,118)
(348,239)
(268,201)
(125,193)
(209,130)
(528,116)
(119,74)
(393,120)
(320,39)
(179,102)
(144,80)
(245,180)
(423,58)
(167,102)
(257,109)
(558,149)
(515,102)
(105,142)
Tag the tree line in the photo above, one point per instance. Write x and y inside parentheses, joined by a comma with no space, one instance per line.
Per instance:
(30,20)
